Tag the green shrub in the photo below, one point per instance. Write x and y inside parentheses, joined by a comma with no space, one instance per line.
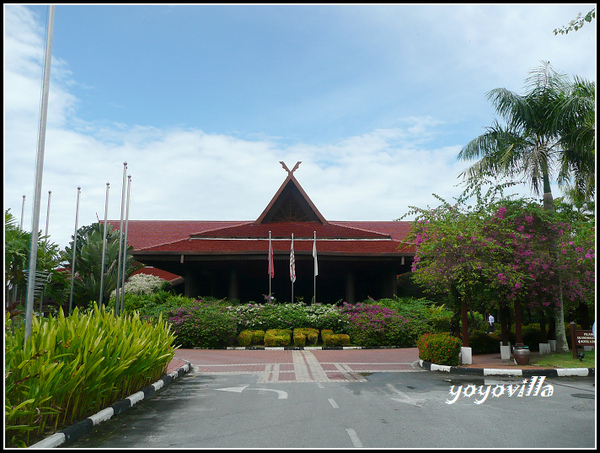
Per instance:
(203,326)
(244,338)
(372,325)
(72,367)
(258,336)
(439,348)
(278,337)
(299,339)
(249,337)
(337,339)
(312,335)
(287,316)
(484,343)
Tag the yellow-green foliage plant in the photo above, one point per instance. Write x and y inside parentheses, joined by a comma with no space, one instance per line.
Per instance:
(331,339)
(312,335)
(249,337)
(278,337)
(72,367)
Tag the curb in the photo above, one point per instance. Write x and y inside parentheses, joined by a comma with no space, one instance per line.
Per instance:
(75,431)
(553,372)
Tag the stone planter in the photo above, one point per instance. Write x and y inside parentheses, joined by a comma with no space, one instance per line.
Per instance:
(466,355)
(552,345)
(545,348)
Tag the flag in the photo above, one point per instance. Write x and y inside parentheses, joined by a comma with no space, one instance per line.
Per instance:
(271,264)
(315,254)
(292,262)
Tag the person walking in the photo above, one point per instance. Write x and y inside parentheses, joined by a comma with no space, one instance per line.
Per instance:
(491,322)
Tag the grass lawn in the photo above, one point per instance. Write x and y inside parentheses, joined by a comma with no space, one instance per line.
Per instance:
(565,360)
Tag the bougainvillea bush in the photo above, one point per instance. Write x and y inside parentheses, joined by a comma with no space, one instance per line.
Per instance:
(203,326)
(439,348)
(372,325)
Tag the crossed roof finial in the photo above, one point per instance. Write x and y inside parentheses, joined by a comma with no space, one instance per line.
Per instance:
(290,172)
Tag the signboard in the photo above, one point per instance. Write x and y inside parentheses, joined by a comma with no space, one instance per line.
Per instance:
(584,338)
(581,338)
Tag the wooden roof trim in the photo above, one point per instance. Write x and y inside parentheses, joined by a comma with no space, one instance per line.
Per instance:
(291,179)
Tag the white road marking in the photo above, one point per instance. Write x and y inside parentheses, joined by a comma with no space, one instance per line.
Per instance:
(333,403)
(404,398)
(354,438)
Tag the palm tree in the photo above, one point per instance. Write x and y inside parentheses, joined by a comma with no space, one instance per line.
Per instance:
(545,138)
(88,261)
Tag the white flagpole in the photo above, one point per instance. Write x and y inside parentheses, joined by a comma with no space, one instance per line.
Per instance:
(125,245)
(271,265)
(46,235)
(292,267)
(48,214)
(74,249)
(120,238)
(22,212)
(101,299)
(39,169)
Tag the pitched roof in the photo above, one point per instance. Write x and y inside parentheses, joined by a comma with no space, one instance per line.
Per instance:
(290,212)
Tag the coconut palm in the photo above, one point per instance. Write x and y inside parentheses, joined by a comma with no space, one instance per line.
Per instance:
(546,137)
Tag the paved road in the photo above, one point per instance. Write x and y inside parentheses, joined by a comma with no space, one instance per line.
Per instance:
(348,399)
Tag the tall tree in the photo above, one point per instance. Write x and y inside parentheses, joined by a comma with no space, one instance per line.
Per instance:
(533,143)
(88,261)
(17,244)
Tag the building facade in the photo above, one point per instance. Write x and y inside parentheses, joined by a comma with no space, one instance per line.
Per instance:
(354,259)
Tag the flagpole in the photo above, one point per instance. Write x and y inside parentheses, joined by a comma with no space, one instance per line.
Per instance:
(123,190)
(101,299)
(74,249)
(271,265)
(292,268)
(125,245)
(39,169)
(316,269)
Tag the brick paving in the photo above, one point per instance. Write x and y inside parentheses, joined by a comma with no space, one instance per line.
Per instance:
(308,365)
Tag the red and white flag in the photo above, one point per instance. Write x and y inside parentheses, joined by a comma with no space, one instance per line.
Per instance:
(292,262)
(314,253)
(271,265)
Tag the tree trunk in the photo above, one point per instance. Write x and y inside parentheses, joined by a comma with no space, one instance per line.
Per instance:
(518,322)
(543,326)
(504,326)
(559,315)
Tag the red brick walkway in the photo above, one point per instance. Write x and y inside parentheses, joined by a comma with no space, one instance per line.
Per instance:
(308,365)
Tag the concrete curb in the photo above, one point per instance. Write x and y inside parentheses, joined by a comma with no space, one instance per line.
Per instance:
(552,372)
(75,431)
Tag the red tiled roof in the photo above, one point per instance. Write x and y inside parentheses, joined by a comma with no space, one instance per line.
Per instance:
(225,237)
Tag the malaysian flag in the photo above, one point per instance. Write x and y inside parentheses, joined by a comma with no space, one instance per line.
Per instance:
(292,262)
(271,264)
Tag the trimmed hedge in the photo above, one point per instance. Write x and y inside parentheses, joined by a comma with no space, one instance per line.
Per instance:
(278,337)
(439,348)
(248,337)
(334,339)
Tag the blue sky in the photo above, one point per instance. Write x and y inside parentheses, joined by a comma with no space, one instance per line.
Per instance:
(203,101)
